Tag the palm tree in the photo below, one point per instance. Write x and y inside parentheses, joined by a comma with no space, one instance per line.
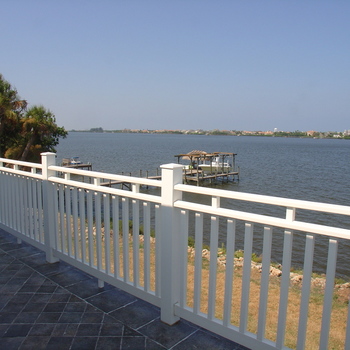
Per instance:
(39,133)
(11,107)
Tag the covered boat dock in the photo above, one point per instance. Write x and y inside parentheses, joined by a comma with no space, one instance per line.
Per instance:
(201,166)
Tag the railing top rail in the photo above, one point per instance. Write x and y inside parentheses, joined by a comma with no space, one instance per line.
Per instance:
(20,163)
(266,220)
(107,190)
(22,173)
(107,176)
(258,198)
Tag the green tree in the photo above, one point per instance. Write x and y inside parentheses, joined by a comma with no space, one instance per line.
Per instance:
(24,134)
(39,133)
(11,107)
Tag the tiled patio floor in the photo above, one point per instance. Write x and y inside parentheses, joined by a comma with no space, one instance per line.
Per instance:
(55,306)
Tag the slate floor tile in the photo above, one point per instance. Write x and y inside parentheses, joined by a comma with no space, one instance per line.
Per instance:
(71,317)
(46,289)
(11,343)
(88,330)
(34,307)
(54,307)
(70,331)
(111,300)
(7,317)
(92,317)
(86,288)
(134,343)
(84,343)
(75,307)
(65,330)
(59,343)
(40,298)
(166,335)
(69,277)
(44,329)
(204,341)
(112,330)
(27,317)
(3,329)
(17,330)
(136,314)
(49,317)
(110,343)
(37,343)
(59,297)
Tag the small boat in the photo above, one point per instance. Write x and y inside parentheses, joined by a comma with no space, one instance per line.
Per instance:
(215,165)
(71,161)
(75,161)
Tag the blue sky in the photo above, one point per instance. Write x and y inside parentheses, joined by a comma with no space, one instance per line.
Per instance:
(181,64)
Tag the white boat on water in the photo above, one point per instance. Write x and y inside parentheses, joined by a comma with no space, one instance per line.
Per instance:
(215,165)
(71,161)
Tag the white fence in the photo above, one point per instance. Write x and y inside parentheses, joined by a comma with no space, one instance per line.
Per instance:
(137,240)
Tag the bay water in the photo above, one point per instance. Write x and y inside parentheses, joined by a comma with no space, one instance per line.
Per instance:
(300,168)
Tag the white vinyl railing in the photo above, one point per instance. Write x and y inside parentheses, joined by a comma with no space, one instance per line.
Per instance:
(138,241)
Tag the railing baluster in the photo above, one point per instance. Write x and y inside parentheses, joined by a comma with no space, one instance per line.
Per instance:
(75,222)
(56,216)
(6,199)
(9,202)
(30,232)
(328,295)
(305,291)
(98,230)
(183,259)
(158,249)
(2,206)
(21,208)
(116,251)
(16,204)
(230,251)
(107,234)
(125,224)
(146,245)
(41,213)
(214,236)
(265,276)
(62,218)
(136,241)
(284,289)
(90,219)
(68,220)
(82,225)
(26,207)
(198,263)
(248,250)
(13,203)
(35,211)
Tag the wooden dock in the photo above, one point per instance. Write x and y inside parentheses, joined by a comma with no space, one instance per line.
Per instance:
(200,176)
(79,166)
(202,166)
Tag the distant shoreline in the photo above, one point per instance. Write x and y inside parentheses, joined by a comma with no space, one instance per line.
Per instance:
(292,134)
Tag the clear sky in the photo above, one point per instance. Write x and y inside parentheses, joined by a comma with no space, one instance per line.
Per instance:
(181,64)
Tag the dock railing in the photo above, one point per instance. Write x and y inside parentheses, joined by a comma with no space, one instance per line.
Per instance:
(137,240)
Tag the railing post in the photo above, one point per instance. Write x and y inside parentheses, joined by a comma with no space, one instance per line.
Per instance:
(170,244)
(48,159)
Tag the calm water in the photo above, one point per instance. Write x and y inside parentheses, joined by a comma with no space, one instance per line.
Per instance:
(309,169)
